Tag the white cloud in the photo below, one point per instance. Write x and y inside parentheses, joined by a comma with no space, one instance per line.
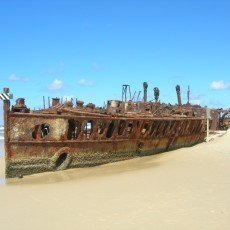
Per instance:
(68,97)
(84,82)
(14,77)
(219,85)
(196,102)
(55,85)
(197,99)
(198,96)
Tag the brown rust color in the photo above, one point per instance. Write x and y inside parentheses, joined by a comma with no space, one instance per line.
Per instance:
(67,135)
(38,142)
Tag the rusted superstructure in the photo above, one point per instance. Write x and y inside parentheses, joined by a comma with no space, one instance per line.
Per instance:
(219,118)
(68,135)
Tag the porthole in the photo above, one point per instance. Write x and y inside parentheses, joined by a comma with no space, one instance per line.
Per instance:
(40,131)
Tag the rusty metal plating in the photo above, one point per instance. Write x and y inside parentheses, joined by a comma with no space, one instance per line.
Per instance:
(68,135)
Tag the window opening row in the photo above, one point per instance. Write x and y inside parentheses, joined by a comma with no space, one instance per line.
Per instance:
(154,129)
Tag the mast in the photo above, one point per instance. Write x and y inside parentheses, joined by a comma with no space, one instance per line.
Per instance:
(188,96)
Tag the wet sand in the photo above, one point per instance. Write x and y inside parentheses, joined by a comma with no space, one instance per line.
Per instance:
(184,189)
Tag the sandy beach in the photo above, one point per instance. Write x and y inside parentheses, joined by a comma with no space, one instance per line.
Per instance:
(184,189)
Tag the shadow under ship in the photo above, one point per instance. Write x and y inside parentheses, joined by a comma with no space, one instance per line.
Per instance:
(68,136)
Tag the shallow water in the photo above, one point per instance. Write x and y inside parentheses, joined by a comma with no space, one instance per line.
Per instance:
(2,166)
(2,150)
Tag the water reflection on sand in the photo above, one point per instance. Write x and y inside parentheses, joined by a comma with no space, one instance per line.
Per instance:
(2,181)
(1,148)
(142,163)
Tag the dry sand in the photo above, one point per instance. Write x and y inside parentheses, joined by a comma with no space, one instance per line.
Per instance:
(184,189)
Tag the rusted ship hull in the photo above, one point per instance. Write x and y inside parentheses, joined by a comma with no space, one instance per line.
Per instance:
(69,144)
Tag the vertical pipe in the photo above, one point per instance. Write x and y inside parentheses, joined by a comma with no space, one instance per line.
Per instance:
(44,103)
(207,116)
(188,95)
(49,102)
(156,94)
(6,110)
(178,95)
(129,93)
(145,86)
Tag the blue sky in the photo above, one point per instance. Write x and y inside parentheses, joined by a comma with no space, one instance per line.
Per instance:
(88,49)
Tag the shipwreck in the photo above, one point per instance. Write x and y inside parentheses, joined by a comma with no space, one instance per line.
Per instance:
(70,134)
